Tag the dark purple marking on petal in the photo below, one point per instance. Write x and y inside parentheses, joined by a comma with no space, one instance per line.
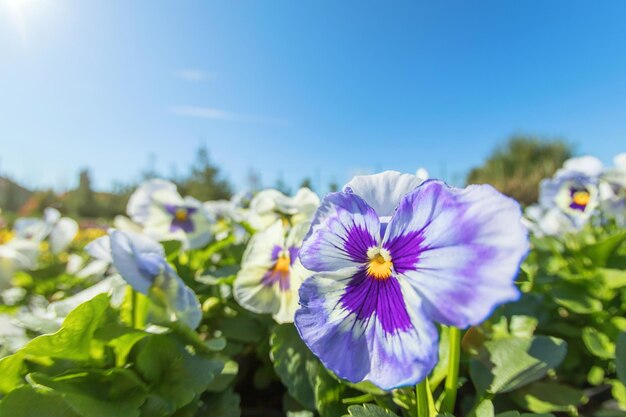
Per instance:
(274,276)
(366,295)
(276,250)
(185,225)
(358,241)
(405,250)
(293,254)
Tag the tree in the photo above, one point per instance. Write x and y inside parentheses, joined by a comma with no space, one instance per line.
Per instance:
(82,201)
(204,182)
(307,183)
(517,167)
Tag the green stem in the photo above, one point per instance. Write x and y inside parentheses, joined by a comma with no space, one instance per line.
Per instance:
(452,380)
(191,337)
(134,308)
(421,397)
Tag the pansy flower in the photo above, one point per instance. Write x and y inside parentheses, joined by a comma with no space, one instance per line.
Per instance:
(271,273)
(164,214)
(270,205)
(15,255)
(141,262)
(227,217)
(573,189)
(391,257)
(60,231)
(613,190)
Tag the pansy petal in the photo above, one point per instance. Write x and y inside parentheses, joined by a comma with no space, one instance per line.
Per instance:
(51,215)
(383,191)
(289,298)
(389,359)
(587,165)
(100,248)
(128,250)
(343,229)
(254,295)
(460,249)
(182,299)
(327,329)
(141,200)
(261,248)
(62,234)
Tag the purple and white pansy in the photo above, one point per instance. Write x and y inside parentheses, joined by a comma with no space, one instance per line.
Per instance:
(270,205)
(391,256)
(164,215)
(141,262)
(573,189)
(271,273)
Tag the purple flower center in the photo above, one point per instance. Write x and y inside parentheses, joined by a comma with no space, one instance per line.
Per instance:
(181,217)
(375,289)
(580,198)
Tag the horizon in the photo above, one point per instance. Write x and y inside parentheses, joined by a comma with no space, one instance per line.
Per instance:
(308,90)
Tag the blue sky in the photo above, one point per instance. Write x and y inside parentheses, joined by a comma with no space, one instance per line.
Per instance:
(324,89)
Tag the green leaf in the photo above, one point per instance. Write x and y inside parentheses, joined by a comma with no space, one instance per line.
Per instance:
(600,252)
(328,394)
(74,341)
(577,299)
(75,338)
(27,402)
(368,410)
(223,380)
(172,248)
(620,357)
(523,326)
(175,374)
(598,343)
(121,339)
(507,364)
(294,364)
(223,404)
(485,409)
(546,397)
(242,328)
(98,393)
(613,278)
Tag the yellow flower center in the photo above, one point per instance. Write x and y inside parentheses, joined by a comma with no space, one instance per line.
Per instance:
(180,214)
(581,198)
(282,264)
(379,266)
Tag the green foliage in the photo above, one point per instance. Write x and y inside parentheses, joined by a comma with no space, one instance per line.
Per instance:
(517,167)
(97,366)
(294,364)
(368,410)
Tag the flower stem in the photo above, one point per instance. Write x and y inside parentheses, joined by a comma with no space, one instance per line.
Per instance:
(452,380)
(421,397)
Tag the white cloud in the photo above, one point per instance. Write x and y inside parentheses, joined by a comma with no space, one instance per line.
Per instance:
(191,74)
(218,114)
